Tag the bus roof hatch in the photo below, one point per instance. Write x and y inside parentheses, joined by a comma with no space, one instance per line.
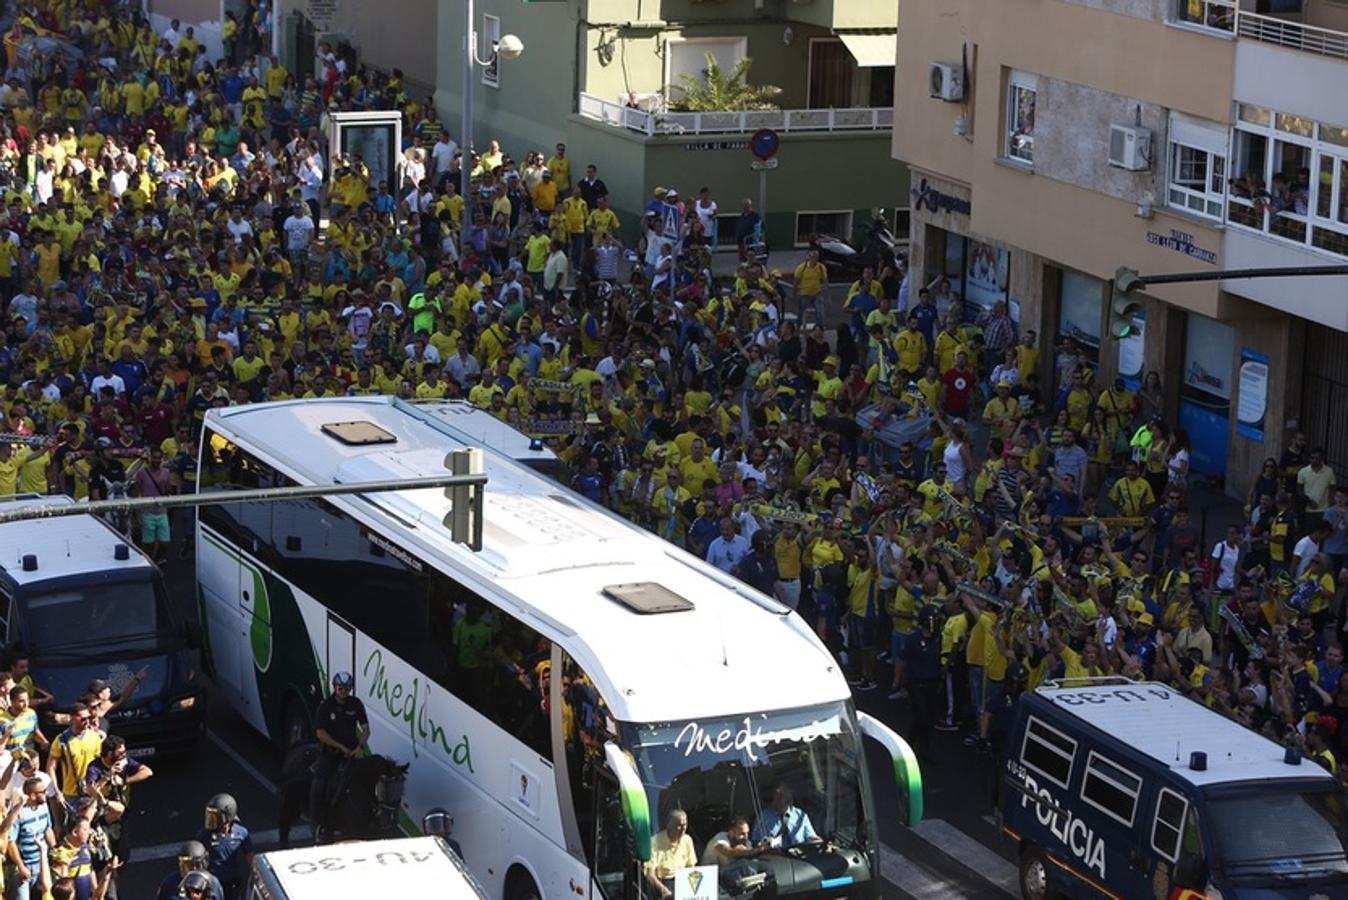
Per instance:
(359,434)
(647,598)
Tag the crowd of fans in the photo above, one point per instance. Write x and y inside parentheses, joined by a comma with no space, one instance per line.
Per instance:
(879,455)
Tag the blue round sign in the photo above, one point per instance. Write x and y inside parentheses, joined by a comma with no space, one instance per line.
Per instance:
(764,143)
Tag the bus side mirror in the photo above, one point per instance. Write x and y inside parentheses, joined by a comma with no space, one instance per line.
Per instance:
(907,772)
(636,808)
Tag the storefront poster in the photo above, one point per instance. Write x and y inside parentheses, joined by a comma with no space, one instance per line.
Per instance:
(1132,353)
(987,273)
(1082,299)
(1252,399)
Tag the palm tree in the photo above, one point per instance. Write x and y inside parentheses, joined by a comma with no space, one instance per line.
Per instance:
(717,90)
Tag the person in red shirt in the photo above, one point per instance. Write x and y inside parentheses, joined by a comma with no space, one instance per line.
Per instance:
(155,419)
(960,382)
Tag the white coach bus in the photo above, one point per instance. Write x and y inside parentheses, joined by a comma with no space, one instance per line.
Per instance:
(680,688)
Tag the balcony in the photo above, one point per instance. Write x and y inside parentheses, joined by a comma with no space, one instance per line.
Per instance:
(1293,35)
(653,122)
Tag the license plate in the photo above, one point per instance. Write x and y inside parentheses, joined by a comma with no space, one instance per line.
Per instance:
(143,752)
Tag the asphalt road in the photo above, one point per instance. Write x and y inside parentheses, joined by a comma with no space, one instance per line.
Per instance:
(954,853)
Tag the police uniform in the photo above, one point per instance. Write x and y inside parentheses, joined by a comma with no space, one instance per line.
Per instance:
(343,723)
(168,888)
(225,851)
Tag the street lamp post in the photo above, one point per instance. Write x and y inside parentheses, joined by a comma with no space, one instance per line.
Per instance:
(508,47)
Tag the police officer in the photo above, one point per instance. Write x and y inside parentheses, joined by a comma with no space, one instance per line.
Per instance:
(195,886)
(341,729)
(922,660)
(191,860)
(229,849)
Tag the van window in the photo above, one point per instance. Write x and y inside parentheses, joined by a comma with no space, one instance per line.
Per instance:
(1110,789)
(1165,831)
(1048,752)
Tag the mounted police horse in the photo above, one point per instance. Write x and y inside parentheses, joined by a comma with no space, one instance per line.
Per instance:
(363,797)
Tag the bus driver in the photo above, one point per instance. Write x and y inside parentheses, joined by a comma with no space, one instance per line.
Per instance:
(783,824)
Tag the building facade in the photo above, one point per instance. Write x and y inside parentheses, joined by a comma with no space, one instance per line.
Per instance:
(1052,142)
(359,28)
(600,75)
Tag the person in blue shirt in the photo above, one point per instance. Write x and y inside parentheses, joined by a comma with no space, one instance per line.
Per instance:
(590,481)
(191,858)
(229,847)
(32,833)
(783,824)
(727,549)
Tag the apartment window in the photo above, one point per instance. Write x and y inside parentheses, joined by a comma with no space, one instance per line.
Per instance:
(491,34)
(808,224)
(1197,181)
(1219,15)
(1020,97)
(1291,178)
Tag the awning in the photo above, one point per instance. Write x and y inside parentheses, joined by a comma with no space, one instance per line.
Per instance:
(871,49)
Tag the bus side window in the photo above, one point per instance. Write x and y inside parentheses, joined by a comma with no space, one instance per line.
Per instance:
(586,726)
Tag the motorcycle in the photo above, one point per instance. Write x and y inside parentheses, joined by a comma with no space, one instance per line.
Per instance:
(874,245)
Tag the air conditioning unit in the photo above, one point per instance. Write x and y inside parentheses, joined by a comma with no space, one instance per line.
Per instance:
(1130,147)
(946,80)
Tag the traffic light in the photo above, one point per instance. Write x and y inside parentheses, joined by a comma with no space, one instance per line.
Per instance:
(1124,305)
(1127,280)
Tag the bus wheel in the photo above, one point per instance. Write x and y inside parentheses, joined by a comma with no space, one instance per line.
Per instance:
(295,728)
(1034,880)
(519,886)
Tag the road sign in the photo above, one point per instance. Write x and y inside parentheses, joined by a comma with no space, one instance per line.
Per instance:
(764,165)
(764,143)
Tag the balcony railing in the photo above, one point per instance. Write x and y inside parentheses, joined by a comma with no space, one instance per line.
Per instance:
(782,120)
(1287,225)
(1307,38)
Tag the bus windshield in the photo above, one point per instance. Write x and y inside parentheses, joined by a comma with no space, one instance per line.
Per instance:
(1284,836)
(126,616)
(718,769)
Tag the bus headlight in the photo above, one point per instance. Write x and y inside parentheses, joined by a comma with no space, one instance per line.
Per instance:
(183,703)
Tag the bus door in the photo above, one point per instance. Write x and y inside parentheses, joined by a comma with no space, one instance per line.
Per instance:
(341,652)
(615,868)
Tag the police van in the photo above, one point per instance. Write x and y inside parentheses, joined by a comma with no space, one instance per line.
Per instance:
(1125,789)
(86,604)
(402,867)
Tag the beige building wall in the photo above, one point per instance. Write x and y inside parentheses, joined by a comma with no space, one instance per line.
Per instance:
(388,34)
(1048,211)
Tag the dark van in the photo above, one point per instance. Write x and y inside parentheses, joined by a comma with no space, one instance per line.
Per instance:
(1123,789)
(85,604)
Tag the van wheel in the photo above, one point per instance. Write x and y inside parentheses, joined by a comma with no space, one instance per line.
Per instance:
(1034,880)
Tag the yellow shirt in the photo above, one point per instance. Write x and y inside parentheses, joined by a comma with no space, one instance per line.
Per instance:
(667,858)
(73,755)
(911,347)
(788,554)
(810,278)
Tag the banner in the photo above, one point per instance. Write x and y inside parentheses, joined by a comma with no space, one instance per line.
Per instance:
(1132,352)
(1252,396)
(552,427)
